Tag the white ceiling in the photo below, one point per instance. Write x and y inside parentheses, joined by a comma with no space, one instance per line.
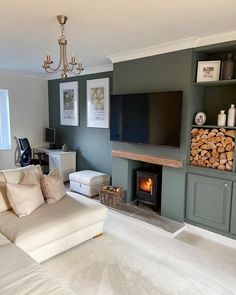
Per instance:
(99,28)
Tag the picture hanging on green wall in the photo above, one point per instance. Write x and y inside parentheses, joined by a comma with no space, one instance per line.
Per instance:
(98,103)
(69,104)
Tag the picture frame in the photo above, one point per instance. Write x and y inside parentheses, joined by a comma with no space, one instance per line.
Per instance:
(98,105)
(69,104)
(208,71)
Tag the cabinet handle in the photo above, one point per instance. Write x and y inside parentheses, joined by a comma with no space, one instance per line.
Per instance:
(226,185)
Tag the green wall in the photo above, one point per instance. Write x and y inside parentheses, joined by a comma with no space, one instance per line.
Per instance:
(93,145)
(166,72)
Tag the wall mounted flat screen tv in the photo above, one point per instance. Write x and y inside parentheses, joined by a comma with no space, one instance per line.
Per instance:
(149,118)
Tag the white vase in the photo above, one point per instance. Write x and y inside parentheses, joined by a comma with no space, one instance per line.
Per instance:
(221,118)
(231,116)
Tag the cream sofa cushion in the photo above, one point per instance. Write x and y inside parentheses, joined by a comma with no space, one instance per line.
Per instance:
(51,222)
(21,275)
(26,196)
(52,187)
(14,176)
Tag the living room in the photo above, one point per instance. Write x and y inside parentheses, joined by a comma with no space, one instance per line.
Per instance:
(143,48)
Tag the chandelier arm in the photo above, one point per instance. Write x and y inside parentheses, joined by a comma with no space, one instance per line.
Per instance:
(51,70)
(77,72)
(57,69)
(74,70)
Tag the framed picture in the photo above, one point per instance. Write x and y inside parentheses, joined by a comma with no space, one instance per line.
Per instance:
(208,71)
(69,106)
(98,103)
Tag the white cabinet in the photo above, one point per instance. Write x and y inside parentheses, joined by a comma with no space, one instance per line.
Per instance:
(64,162)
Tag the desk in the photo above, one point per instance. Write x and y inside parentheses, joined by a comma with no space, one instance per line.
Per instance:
(64,162)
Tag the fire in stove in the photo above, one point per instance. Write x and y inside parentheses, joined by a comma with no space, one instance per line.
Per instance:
(148,188)
(146,185)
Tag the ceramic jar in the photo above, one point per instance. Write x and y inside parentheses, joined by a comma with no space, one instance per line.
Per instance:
(221,118)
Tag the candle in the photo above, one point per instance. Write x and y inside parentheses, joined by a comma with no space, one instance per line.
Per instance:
(73,58)
(45,64)
(48,57)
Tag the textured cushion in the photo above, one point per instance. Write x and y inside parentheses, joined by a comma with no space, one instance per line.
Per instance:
(14,176)
(49,223)
(89,177)
(52,186)
(25,197)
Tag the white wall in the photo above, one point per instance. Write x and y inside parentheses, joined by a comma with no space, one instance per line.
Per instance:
(28,101)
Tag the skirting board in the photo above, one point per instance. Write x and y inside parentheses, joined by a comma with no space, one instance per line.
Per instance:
(209,235)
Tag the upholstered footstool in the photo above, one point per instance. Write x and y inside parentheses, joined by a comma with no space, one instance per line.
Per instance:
(87,182)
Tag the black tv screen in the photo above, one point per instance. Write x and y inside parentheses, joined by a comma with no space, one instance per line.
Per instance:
(149,118)
(50,135)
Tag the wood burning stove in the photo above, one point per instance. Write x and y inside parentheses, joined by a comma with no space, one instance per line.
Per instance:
(148,188)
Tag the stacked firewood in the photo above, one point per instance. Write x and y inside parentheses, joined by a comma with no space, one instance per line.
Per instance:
(212,148)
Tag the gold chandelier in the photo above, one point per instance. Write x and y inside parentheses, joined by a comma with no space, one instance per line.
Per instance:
(64,66)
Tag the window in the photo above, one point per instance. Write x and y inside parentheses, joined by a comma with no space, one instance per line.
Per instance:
(5,137)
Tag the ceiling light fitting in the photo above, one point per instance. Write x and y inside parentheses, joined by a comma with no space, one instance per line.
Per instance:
(64,66)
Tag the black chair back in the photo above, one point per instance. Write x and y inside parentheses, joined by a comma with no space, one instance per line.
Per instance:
(25,152)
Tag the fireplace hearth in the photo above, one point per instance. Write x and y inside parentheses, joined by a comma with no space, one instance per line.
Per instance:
(148,188)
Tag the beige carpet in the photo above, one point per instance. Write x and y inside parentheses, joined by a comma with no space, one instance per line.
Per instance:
(134,258)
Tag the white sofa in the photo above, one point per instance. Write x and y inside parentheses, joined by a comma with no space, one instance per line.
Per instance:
(21,275)
(49,230)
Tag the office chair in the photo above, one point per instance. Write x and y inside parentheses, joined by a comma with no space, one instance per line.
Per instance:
(26,154)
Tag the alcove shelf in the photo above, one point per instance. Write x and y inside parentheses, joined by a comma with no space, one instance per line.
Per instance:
(212,127)
(216,83)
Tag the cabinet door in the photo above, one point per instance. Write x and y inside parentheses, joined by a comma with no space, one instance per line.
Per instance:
(233,212)
(208,201)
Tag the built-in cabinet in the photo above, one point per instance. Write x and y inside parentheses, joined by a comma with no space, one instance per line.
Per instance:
(209,201)
(211,193)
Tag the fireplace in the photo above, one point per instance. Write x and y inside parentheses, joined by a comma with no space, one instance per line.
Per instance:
(148,188)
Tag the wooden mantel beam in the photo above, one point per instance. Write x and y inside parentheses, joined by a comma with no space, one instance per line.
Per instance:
(148,159)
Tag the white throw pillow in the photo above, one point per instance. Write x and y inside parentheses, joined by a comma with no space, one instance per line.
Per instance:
(52,186)
(14,176)
(26,196)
